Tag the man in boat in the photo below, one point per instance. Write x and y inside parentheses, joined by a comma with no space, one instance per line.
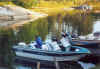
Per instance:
(61,46)
(54,44)
(65,41)
(39,42)
(74,36)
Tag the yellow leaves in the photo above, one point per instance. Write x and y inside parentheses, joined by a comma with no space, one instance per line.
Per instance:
(95,5)
(54,8)
(25,1)
(54,4)
(5,3)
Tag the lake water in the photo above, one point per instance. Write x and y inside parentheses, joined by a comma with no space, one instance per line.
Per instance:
(80,23)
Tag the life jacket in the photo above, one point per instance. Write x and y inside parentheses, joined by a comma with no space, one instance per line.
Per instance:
(39,41)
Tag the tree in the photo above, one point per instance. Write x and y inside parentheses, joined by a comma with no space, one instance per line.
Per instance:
(5,0)
(25,3)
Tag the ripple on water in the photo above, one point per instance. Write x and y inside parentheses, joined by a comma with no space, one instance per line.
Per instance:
(86,65)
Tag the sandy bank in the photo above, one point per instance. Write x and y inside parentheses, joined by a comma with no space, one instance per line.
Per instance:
(11,16)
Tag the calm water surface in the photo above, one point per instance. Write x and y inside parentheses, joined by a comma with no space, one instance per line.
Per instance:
(82,24)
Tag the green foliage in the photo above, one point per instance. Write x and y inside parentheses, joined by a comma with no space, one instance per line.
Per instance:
(6,40)
(5,0)
(25,3)
(80,23)
(29,31)
(31,3)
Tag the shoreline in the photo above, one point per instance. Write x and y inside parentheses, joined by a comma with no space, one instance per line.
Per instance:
(18,18)
(20,23)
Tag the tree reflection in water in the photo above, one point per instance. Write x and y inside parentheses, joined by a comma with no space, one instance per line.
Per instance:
(6,40)
(82,23)
(77,23)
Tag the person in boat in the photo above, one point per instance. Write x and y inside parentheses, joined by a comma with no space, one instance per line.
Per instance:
(48,44)
(65,41)
(54,44)
(61,46)
(74,36)
(38,42)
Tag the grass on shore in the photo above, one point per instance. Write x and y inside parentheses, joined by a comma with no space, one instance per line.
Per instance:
(95,5)
(53,7)
(6,3)
(48,7)
(55,11)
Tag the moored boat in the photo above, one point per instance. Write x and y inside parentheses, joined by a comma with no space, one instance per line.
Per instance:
(87,43)
(92,41)
(73,54)
(92,45)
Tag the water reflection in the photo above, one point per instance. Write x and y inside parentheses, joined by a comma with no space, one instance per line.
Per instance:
(86,65)
(96,26)
(29,31)
(47,65)
(82,24)
(6,40)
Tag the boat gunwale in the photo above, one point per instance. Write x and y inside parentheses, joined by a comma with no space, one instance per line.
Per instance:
(54,53)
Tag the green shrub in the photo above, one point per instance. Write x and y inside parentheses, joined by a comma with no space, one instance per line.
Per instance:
(25,3)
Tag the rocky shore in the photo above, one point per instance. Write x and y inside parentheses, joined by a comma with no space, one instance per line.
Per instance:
(15,15)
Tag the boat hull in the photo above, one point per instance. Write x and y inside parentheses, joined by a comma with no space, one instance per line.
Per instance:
(86,43)
(49,58)
(44,55)
(92,45)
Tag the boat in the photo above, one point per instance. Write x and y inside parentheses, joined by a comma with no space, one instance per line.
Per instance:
(73,54)
(92,45)
(92,42)
(86,43)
